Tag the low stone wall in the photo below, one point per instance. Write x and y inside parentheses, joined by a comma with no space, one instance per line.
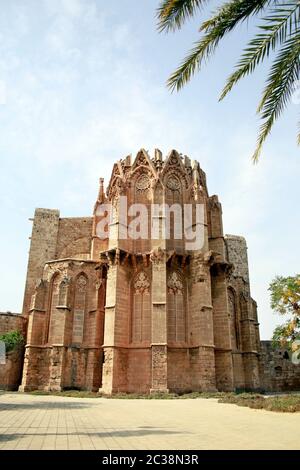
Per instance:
(11,371)
(279,373)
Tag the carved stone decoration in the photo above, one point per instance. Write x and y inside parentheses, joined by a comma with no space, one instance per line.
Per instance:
(141,160)
(63,290)
(158,165)
(142,183)
(141,283)
(175,176)
(174,160)
(158,256)
(40,283)
(193,192)
(244,295)
(231,300)
(174,284)
(189,171)
(38,297)
(115,191)
(173,183)
(199,270)
(56,269)
(66,281)
(81,283)
(213,203)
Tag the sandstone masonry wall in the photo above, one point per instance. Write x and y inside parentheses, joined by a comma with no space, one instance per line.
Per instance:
(10,372)
(42,249)
(12,322)
(55,238)
(279,373)
(74,237)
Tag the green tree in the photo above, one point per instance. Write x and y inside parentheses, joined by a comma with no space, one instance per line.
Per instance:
(12,340)
(278,30)
(285,300)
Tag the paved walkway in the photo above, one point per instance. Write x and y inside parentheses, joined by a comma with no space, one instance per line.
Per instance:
(49,422)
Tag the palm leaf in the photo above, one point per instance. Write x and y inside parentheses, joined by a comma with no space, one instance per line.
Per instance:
(281,83)
(172,14)
(226,19)
(233,12)
(278,26)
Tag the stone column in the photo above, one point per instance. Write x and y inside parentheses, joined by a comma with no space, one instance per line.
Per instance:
(56,368)
(159,323)
(93,369)
(249,344)
(30,369)
(34,343)
(109,328)
(222,337)
(201,328)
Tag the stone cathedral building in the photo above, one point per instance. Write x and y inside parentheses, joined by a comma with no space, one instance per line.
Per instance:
(140,315)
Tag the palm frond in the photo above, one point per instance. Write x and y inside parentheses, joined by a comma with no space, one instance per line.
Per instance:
(191,63)
(281,82)
(171,14)
(277,27)
(280,28)
(233,12)
(227,18)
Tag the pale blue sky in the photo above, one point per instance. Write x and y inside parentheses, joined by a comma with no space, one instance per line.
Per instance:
(85,85)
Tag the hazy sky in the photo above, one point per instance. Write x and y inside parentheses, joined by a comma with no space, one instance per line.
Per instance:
(82,84)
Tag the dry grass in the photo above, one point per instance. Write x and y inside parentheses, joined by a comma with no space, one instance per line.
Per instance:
(280,403)
(132,396)
(68,393)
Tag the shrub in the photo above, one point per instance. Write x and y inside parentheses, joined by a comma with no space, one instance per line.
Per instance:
(281,403)
(12,340)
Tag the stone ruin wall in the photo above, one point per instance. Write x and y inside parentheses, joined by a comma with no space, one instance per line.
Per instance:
(11,371)
(245,310)
(279,372)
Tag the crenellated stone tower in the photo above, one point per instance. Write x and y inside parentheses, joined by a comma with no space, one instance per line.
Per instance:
(129,314)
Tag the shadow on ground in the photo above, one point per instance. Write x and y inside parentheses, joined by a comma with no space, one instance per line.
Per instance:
(139,432)
(40,405)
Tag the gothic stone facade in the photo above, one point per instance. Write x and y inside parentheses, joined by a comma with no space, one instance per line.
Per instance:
(140,315)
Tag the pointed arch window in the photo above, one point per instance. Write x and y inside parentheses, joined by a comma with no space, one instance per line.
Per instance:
(63,291)
(173,185)
(142,195)
(54,301)
(174,200)
(243,306)
(81,285)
